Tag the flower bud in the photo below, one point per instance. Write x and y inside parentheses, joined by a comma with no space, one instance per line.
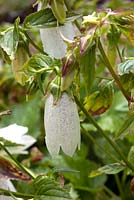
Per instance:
(62,125)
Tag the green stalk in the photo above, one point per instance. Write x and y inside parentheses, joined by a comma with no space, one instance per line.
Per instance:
(106,189)
(32,42)
(100,130)
(16,161)
(16,194)
(119,186)
(121,59)
(69,9)
(110,68)
(97,144)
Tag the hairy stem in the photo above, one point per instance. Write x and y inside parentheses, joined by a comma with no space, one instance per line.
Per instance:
(16,194)
(110,68)
(119,186)
(18,163)
(100,130)
(32,42)
(97,144)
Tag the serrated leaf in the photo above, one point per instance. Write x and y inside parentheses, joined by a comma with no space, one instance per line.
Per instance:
(87,67)
(113,168)
(46,186)
(126,67)
(126,124)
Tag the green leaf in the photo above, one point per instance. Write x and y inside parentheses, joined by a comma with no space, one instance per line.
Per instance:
(40,19)
(46,186)
(128,32)
(23,115)
(69,170)
(43,197)
(87,67)
(126,124)
(126,67)
(95,173)
(21,56)
(16,33)
(113,168)
(127,81)
(38,61)
(9,143)
(99,101)
(9,41)
(126,72)
(131,155)
(113,36)
(112,119)
(58,9)
(45,19)
(81,180)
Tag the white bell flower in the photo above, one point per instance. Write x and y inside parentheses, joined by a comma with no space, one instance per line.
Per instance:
(16,133)
(62,125)
(52,38)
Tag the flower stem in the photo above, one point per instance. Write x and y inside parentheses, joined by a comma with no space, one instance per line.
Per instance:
(32,42)
(100,130)
(69,9)
(118,50)
(97,144)
(16,194)
(108,191)
(18,163)
(119,186)
(110,68)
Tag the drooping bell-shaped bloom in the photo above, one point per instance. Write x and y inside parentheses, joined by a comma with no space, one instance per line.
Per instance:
(52,38)
(62,125)
(16,133)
